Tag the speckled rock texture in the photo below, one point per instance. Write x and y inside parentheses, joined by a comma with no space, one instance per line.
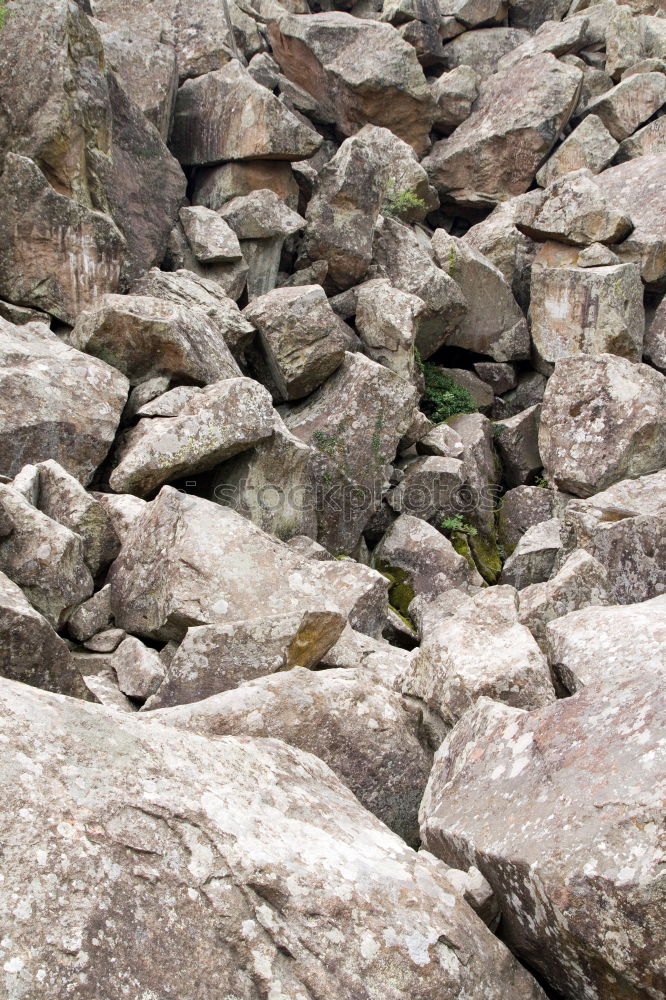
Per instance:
(230,843)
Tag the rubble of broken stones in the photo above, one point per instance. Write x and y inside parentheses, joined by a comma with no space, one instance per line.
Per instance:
(333,499)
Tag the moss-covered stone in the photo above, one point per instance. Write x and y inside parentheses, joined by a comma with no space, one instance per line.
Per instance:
(401,592)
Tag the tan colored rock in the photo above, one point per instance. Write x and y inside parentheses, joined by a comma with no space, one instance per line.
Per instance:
(606,647)
(597,255)
(494,323)
(517,442)
(351,66)
(217,423)
(533,559)
(44,558)
(630,103)
(55,255)
(324,713)
(215,658)
(649,139)
(260,215)
(637,184)
(558,780)
(144,336)
(410,266)
(602,420)
(624,528)
(91,617)
(580,582)
(592,311)
(30,651)
(502,243)
(475,13)
(139,669)
(303,339)
(482,50)
(62,498)
(590,146)
(188,289)
(213,186)
(226,115)
(230,278)
(480,651)
(573,210)
(387,322)
(55,402)
(354,422)
(156,800)
(497,151)
(123,511)
(211,239)
(403,175)
(186,561)
(455,92)
(354,650)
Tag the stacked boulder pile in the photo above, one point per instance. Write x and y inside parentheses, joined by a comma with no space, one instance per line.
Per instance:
(333,499)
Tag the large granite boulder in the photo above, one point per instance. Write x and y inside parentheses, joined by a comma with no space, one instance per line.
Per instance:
(603,419)
(55,402)
(624,528)
(518,117)
(562,810)
(216,423)
(271,875)
(226,115)
(360,72)
(143,336)
(325,712)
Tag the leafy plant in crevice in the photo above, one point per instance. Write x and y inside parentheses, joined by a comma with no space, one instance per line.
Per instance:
(456,524)
(443,398)
(3,13)
(401,204)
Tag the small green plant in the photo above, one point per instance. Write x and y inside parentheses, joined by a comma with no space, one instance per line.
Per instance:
(401,204)
(3,13)
(457,524)
(443,398)
(542,482)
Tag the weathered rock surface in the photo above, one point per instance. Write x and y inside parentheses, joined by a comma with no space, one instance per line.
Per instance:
(226,115)
(561,810)
(604,647)
(480,651)
(30,651)
(517,442)
(572,210)
(139,670)
(359,71)
(580,582)
(217,423)
(630,103)
(533,558)
(602,420)
(55,402)
(497,151)
(215,658)
(325,712)
(624,528)
(212,241)
(387,323)
(304,341)
(595,310)
(211,793)
(654,347)
(590,146)
(213,186)
(455,93)
(144,336)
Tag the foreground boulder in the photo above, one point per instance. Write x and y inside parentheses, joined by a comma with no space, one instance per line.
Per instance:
(242,842)
(562,809)
(55,402)
(326,712)
(497,151)
(359,71)
(603,419)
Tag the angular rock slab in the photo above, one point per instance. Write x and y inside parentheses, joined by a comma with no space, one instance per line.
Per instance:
(216,658)
(304,341)
(562,810)
(603,419)
(186,561)
(218,422)
(55,255)
(226,115)
(624,528)
(144,336)
(604,647)
(360,71)
(241,843)
(325,712)
(30,651)
(497,151)
(597,310)
(55,402)
(480,651)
